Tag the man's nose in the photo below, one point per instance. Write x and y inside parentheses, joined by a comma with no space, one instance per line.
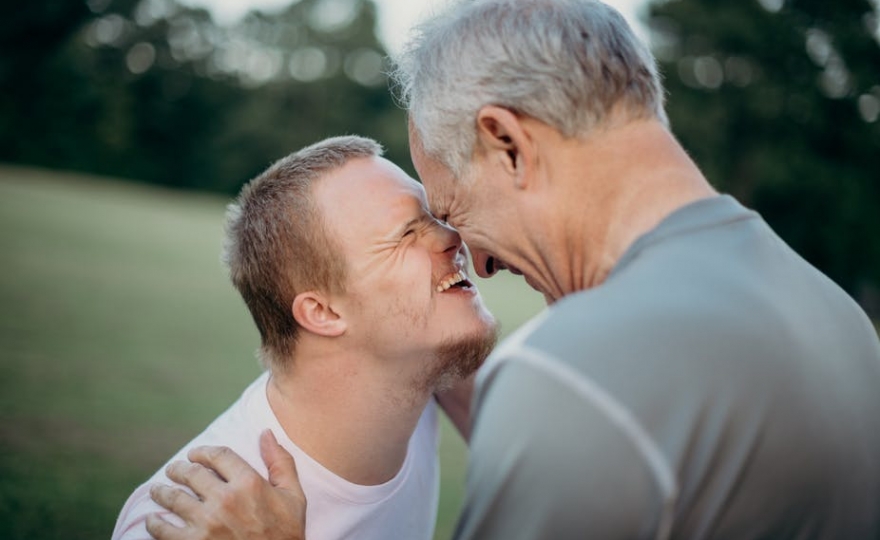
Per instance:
(485,265)
(446,239)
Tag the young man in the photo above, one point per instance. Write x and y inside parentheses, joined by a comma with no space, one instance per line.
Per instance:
(694,377)
(364,310)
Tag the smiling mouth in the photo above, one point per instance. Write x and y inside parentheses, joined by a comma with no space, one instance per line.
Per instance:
(455,280)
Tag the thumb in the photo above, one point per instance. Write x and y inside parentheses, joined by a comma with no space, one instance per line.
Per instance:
(282,468)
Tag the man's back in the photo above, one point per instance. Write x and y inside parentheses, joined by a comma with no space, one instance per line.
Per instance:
(715,386)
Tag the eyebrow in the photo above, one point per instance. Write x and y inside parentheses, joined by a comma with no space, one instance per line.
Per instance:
(414,221)
(436,211)
(403,228)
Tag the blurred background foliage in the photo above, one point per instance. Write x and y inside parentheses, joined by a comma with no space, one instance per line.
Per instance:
(778,101)
(155,91)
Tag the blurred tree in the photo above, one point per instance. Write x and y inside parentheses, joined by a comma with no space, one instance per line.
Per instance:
(778,101)
(31,34)
(151,90)
(314,71)
(31,31)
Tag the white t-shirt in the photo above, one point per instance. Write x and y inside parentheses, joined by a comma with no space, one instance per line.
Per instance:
(403,507)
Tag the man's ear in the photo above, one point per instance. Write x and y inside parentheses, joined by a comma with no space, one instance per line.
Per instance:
(312,311)
(503,137)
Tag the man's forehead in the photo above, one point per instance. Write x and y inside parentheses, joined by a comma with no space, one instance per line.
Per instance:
(397,205)
(439,188)
(404,184)
(367,182)
(434,176)
(438,207)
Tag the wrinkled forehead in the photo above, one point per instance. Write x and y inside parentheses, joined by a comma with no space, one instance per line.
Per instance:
(437,178)
(394,183)
(369,197)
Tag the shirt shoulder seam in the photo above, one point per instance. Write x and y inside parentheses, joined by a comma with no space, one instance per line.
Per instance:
(616,412)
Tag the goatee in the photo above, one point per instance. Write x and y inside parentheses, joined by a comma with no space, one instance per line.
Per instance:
(457,359)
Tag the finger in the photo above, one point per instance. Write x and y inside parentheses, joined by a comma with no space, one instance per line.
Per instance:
(282,467)
(195,476)
(175,500)
(161,529)
(223,461)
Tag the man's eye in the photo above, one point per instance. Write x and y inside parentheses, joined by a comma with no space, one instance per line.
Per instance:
(444,218)
(409,232)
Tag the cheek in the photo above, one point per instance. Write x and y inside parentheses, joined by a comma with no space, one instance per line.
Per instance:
(408,279)
(476,239)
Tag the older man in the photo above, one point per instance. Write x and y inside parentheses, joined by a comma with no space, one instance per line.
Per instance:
(364,309)
(693,377)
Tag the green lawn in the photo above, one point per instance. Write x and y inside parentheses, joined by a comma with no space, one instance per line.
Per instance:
(121,339)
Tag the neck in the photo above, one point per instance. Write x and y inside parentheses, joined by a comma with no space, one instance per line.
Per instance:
(340,411)
(616,186)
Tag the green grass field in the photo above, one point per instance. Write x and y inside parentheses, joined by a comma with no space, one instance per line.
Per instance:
(121,339)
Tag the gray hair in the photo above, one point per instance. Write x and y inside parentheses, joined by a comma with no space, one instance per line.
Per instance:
(567,63)
(277,245)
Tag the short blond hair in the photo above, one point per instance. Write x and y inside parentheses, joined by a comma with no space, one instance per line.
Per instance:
(277,245)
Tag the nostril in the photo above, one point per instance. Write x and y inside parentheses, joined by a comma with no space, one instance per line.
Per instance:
(490,265)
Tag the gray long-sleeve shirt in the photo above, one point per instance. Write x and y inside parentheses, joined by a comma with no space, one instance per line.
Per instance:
(715,386)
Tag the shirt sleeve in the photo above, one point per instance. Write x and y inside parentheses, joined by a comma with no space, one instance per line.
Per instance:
(132,521)
(547,463)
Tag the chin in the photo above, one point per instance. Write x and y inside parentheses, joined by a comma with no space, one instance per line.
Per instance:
(459,357)
(481,313)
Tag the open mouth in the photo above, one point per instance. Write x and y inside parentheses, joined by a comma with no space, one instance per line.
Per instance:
(455,280)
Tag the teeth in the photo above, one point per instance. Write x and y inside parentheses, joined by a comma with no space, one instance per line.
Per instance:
(450,281)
